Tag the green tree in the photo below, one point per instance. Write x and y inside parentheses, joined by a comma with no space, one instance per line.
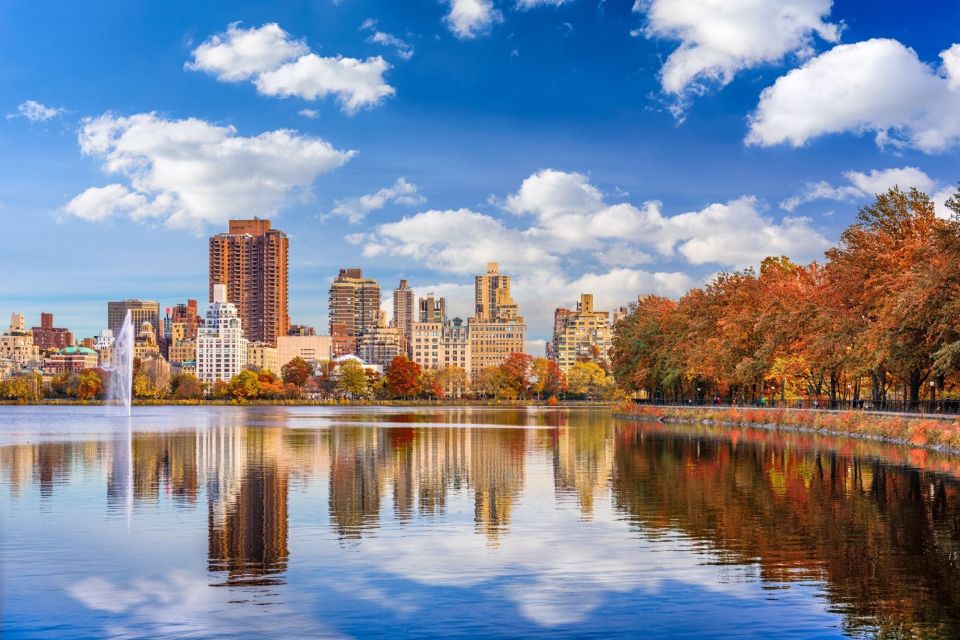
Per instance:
(296,372)
(63,385)
(352,379)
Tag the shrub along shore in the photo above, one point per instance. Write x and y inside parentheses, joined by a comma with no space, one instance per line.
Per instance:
(920,430)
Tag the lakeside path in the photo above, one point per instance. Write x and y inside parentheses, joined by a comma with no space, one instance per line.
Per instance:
(928,431)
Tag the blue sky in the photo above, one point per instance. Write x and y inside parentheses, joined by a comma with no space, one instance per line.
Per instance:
(605,147)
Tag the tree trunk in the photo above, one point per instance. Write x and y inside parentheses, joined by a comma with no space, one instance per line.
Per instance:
(833,389)
(915,381)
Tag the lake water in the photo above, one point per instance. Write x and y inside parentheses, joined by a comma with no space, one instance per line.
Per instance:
(466,522)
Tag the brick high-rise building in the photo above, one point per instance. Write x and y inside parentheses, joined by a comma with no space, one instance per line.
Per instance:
(251,261)
(580,334)
(403,313)
(354,308)
(185,314)
(140,311)
(48,337)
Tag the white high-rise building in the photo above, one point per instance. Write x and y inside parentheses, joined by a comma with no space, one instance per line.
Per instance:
(221,347)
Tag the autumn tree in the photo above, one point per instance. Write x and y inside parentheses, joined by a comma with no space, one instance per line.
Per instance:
(17,389)
(516,370)
(186,386)
(430,384)
(296,372)
(269,386)
(403,377)
(588,379)
(873,264)
(453,380)
(245,385)
(881,309)
(90,384)
(491,382)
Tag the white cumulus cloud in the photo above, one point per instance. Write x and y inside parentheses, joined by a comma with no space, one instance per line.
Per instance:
(571,214)
(281,66)
(877,86)
(190,172)
(240,54)
(458,241)
(719,38)
(564,218)
(468,19)
(861,187)
(100,203)
(35,111)
(356,209)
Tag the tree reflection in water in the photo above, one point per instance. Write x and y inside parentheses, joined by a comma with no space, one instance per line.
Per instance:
(881,537)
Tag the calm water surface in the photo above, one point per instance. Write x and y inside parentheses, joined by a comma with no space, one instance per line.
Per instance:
(475,523)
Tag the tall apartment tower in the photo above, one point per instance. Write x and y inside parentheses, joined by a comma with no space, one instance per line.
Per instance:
(251,261)
(354,308)
(140,311)
(492,294)
(497,330)
(580,335)
(403,313)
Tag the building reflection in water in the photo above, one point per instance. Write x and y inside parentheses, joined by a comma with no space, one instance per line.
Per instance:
(247,490)
(881,539)
(421,466)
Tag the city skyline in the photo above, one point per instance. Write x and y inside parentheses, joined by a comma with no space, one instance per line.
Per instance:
(538,157)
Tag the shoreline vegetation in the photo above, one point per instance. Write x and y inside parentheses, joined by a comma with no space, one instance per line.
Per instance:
(875,322)
(923,431)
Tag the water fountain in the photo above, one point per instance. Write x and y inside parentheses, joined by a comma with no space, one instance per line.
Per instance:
(120,388)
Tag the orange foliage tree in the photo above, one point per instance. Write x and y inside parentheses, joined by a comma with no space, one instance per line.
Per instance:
(881,312)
